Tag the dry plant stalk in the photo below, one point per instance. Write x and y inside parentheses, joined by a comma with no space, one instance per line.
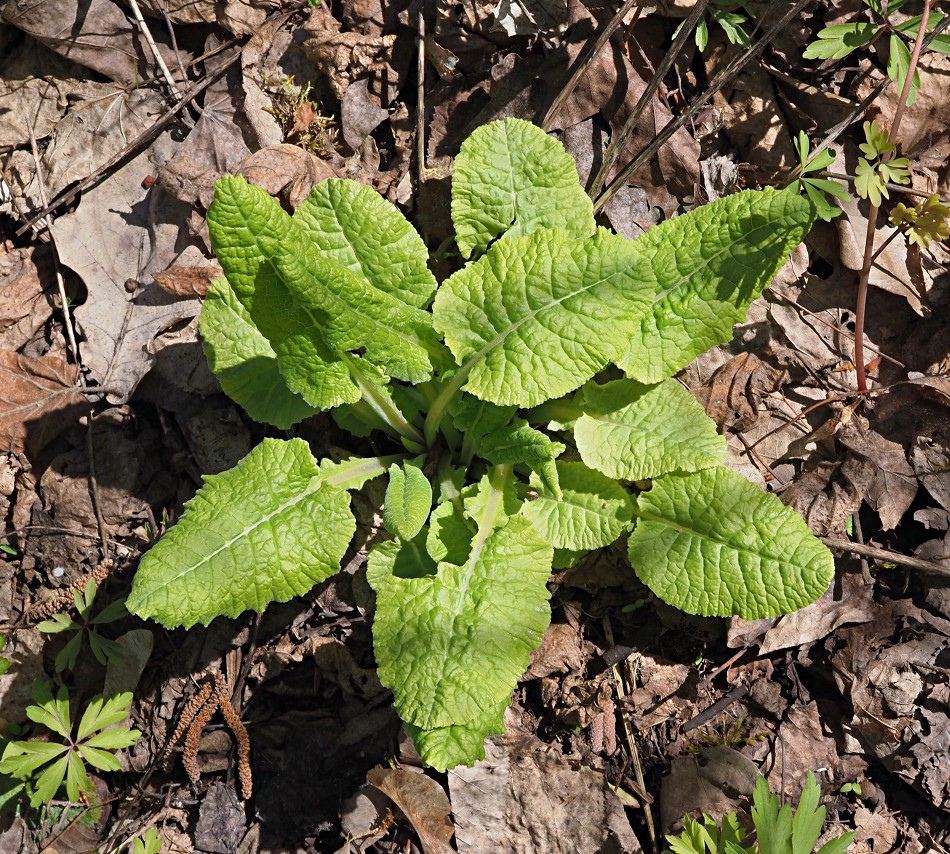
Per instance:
(194,718)
(65,600)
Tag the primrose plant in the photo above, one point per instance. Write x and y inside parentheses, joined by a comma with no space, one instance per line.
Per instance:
(528,406)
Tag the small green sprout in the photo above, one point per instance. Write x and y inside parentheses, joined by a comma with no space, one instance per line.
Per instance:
(817,188)
(930,220)
(96,736)
(871,179)
(103,649)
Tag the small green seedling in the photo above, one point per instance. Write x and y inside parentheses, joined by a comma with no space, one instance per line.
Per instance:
(817,189)
(839,40)
(517,404)
(930,220)
(104,649)
(94,742)
(779,830)
(731,16)
(873,171)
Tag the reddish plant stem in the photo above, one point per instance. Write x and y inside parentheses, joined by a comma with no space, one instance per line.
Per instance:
(869,254)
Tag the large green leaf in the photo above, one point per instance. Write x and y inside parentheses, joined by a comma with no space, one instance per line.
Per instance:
(632,431)
(458,744)
(712,543)
(704,269)
(354,226)
(591,512)
(247,227)
(512,178)
(334,305)
(265,531)
(244,361)
(538,316)
(454,644)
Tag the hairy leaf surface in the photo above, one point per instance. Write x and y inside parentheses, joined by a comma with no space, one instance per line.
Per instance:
(355,227)
(633,431)
(511,178)
(458,744)
(265,531)
(705,269)
(454,644)
(247,227)
(538,316)
(244,361)
(712,543)
(592,510)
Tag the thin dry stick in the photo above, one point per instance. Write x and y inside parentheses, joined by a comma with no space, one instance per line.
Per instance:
(839,330)
(421,102)
(60,282)
(584,60)
(136,12)
(94,484)
(620,139)
(631,741)
(699,102)
(171,34)
(885,556)
(133,147)
(865,275)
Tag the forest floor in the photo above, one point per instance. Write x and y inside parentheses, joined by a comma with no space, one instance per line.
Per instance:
(632,714)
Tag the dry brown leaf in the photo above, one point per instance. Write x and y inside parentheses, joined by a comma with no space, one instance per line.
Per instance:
(422,801)
(91,133)
(94,33)
(893,671)
(852,603)
(711,783)
(287,170)
(894,484)
(19,285)
(118,235)
(344,57)
(38,400)
(214,146)
(807,746)
(187,282)
(524,797)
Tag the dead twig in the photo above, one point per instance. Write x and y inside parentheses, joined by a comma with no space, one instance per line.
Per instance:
(136,144)
(147,35)
(720,80)
(885,556)
(584,60)
(620,139)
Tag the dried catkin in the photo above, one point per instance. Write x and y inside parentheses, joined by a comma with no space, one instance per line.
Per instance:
(236,725)
(64,601)
(192,707)
(190,756)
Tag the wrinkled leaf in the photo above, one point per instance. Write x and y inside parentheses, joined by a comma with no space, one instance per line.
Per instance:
(265,531)
(524,335)
(511,178)
(632,431)
(712,543)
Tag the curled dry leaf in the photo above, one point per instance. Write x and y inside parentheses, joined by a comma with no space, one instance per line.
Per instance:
(192,281)
(422,801)
(38,400)
(343,57)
